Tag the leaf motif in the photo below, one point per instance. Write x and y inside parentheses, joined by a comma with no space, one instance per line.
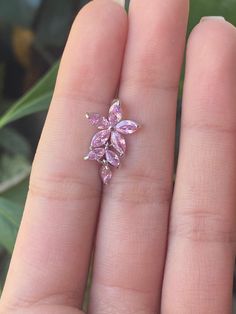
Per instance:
(106,174)
(115,112)
(112,158)
(127,127)
(118,142)
(95,154)
(97,120)
(100,138)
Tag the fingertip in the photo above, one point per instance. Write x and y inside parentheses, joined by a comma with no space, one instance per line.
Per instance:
(120,2)
(210,18)
(97,40)
(213,31)
(102,13)
(210,73)
(99,6)
(212,44)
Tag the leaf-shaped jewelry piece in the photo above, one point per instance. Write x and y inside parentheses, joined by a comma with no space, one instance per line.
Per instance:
(127,127)
(97,120)
(95,154)
(106,174)
(100,138)
(112,158)
(110,136)
(115,112)
(118,142)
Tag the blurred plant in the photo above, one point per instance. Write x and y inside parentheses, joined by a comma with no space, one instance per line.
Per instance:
(44,17)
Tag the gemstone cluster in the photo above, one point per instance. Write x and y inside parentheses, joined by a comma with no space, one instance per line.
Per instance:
(108,145)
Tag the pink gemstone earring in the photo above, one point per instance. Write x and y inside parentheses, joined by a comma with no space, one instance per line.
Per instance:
(108,145)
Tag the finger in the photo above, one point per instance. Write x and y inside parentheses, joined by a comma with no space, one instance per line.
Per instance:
(53,248)
(131,241)
(200,260)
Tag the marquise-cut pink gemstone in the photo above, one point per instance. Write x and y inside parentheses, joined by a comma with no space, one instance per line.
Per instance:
(115,112)
(95,154)
(106,174)
(112,158)
(118,142)
(127,126)
(96,119)
(100,138)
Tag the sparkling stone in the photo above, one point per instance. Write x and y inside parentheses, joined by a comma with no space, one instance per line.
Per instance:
(115,112)
(95,154)
(106,174)
(100,138)
(126,127)
(112,158)
(118,142)
(97,120)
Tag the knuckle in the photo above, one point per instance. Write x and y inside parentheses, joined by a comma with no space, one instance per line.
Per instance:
(139,190)
(107,305)
(83,96)
(211,127)
(146,78)
(62,187)
(13,305)
(21,304)
(203,226)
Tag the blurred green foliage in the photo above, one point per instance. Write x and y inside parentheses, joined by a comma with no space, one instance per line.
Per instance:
(36,100)
(14,149)
(18,12)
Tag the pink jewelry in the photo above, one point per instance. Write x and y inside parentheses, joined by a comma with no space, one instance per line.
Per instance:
(108,145)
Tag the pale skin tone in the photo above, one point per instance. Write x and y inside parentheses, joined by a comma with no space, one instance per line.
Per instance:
(156,250)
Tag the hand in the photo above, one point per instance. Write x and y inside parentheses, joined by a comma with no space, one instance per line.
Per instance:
(148,259)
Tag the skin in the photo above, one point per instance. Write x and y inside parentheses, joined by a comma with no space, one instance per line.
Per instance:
(156,250)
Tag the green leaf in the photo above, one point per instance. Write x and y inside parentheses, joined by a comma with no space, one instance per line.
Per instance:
(5,258)
(13,142)
(10,217)
(36,100)
(14,169)
(18,192)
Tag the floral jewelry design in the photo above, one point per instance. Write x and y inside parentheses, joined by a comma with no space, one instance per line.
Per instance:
(109,145)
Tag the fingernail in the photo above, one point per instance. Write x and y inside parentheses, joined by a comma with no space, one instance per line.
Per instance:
(208,18)
(120,2)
